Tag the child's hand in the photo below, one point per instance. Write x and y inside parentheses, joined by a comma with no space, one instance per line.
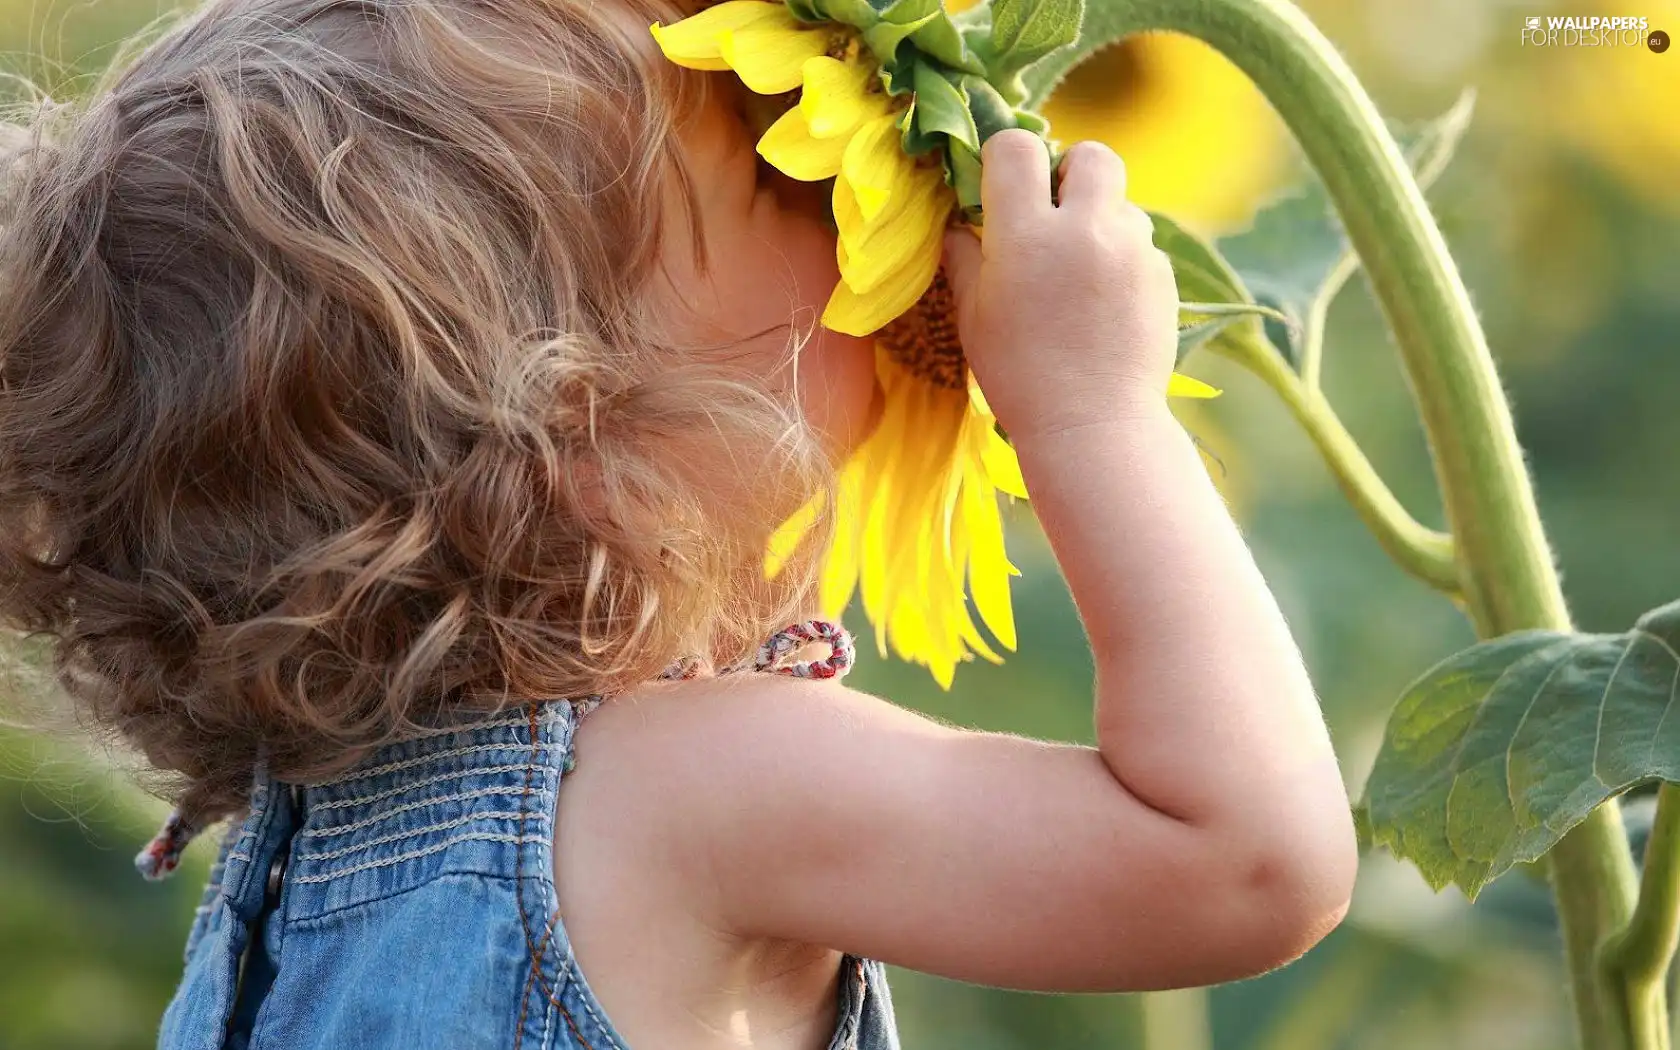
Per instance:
(1068,313)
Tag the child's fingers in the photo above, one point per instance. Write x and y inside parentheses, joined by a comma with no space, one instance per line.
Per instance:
(1093,178)
(962,264)
(962,256)
(1014,179)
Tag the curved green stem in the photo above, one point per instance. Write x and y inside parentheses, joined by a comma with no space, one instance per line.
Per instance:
(1506,570)
(1638,958)
(1418,549)
(1318,315)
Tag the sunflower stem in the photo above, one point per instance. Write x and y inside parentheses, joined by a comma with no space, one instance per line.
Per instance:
(1638,958)
(1508,581)
(1416,548)
(1318,316)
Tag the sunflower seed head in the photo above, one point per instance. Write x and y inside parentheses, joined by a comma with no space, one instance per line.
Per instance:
(924,340)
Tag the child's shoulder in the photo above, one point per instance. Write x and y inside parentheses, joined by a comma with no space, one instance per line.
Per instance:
(695,749)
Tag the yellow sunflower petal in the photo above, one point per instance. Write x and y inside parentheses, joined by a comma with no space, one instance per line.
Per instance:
(693,42)
(840,571)
(1003,466)
(919,530)
(875,249)
(858,313)
(877,496)
(769,58)
(958,546)
(875,165)
(879,251)
(988,565)
(837,96)
(789,147)
(1185,386)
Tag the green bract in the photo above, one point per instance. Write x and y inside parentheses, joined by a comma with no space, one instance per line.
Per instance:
(963,71)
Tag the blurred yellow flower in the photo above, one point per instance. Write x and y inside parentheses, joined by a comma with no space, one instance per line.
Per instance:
(1618,104)
(1200,142)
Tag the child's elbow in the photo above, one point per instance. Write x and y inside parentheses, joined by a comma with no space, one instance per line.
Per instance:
(1293,893)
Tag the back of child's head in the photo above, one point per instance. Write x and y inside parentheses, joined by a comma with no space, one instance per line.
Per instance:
(330,401)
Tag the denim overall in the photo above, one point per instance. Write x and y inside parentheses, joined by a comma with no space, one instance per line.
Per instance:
(410,904)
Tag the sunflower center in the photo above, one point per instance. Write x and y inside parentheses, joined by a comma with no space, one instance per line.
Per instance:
(924,340)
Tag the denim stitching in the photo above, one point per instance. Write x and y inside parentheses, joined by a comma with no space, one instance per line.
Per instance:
(392,767)
(533,952)
(474,836)
(403,789)
(532,978)
(548,1022)
(386,840)
(341,829)
(249,836)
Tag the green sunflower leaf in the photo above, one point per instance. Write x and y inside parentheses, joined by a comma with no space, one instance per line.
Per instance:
(941,109)
(1200,323)
(1197,333)
(977,37)
(1104,24)
(1025,31)
(1495,754)
(1296,255)
(885,37)
(962,169)
(896,79)
(1034,123)
(940,39)
(1214,300)
(991,113)
(1203,274)
(973,19)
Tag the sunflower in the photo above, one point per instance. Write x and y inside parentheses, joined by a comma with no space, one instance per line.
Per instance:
(918,528)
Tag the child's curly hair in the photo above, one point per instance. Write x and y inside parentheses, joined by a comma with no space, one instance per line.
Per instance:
(329,401)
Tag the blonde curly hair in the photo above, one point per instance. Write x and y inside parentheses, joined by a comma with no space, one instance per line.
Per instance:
(330,401)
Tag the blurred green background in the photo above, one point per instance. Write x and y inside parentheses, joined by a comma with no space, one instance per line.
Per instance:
(1563,208)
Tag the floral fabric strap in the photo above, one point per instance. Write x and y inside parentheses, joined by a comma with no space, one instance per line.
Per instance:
(162,855)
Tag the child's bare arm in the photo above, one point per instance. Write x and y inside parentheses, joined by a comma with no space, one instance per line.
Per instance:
(1208,836)
(1205,711)
(807,812)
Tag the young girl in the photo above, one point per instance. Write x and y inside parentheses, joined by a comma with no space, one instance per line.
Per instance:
(376,374)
